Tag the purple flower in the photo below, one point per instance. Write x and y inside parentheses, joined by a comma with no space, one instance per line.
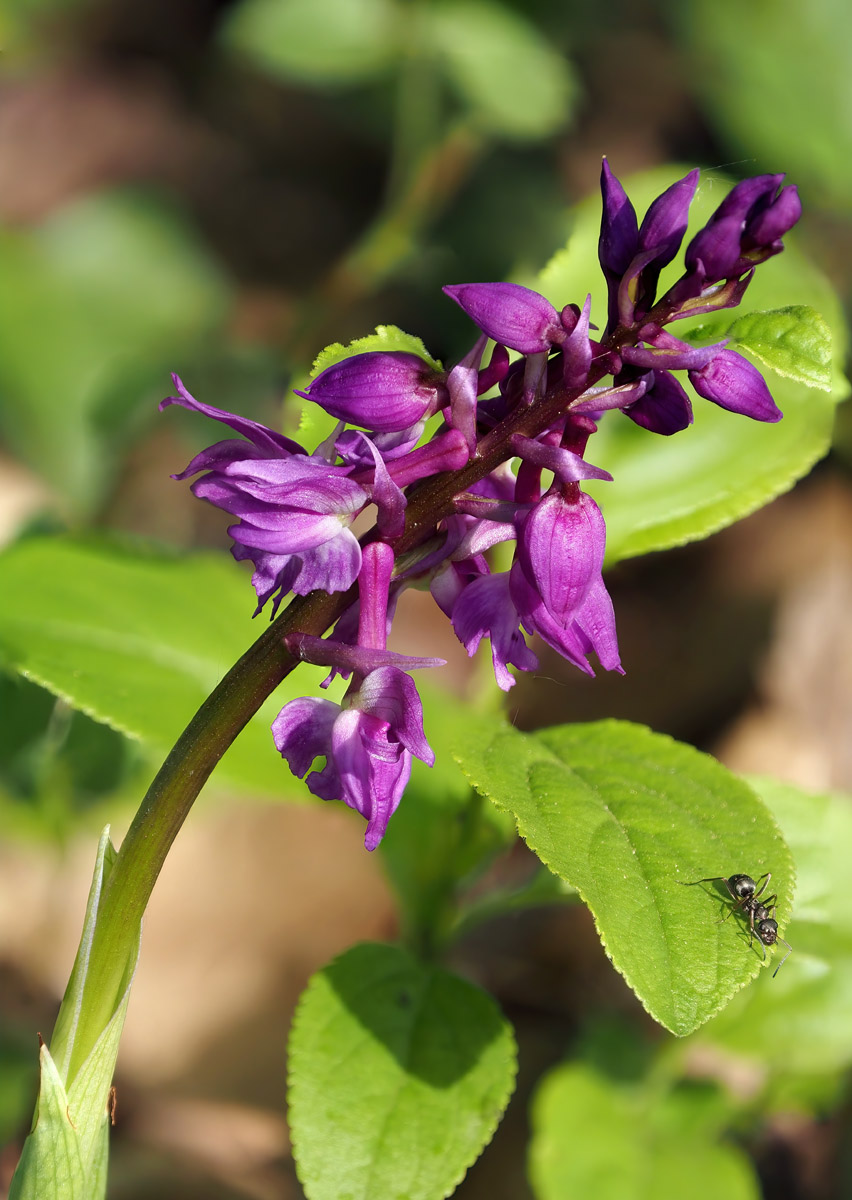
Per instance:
(367,742)
(512,315)
(484,608)
(294,510)
(591,628)
(383,390)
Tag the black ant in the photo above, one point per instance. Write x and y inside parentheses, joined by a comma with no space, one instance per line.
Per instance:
(744,892)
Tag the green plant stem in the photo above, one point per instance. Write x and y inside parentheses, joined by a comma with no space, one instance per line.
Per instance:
(166,805)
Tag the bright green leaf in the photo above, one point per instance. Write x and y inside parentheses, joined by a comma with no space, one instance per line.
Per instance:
(139,641)
(96,307)
(386,337)
(626,815)
(667,491)
(514,82)
(794,342)
(318,41)
(399,1074)
(799,1022)
(594,1138)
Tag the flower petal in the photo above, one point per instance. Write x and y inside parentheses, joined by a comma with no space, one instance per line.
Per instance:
(272,443)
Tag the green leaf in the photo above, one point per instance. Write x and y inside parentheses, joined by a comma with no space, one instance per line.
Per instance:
(794,342)
(139,641)
(625,815)
(65,1156)
(775,80)
(667,491)
(322,42)
(96,307)
(592,1137)
(515,83)
(399,1074)
(799,1022)
(386,337)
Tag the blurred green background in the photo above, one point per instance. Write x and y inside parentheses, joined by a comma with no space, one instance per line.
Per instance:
(221,188)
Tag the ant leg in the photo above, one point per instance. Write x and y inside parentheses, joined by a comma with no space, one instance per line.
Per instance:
(784,959)
(731,910)
(767,877)
(712,879)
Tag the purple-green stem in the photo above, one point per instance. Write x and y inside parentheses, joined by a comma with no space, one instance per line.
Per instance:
(232,705)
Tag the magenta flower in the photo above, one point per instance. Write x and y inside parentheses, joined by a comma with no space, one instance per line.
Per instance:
(367,742)
(383,390)
(445,498)
(294,510)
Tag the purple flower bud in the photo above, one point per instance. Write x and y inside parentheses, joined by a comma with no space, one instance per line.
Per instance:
(745,229)
(666,220)
(619,236)
(733,383)
(510,314)
(383,390)
(665,407)
(767,227)
(746,195)
(561,548)
(717,248)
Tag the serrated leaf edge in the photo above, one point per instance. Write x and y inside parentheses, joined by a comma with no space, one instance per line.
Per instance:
(725,1000)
